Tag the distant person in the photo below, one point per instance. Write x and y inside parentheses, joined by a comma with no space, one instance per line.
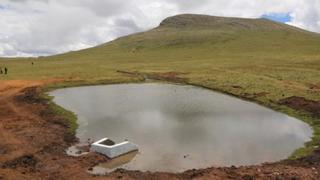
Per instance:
(1,72)
(5,70)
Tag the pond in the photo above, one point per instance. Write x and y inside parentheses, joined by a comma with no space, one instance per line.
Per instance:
(180,127)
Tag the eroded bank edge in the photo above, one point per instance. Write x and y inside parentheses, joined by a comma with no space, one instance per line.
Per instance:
(72,118)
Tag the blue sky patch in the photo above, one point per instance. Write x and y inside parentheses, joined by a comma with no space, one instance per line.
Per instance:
(279,17)
(2,7)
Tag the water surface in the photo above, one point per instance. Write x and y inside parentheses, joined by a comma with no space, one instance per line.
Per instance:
(183,127)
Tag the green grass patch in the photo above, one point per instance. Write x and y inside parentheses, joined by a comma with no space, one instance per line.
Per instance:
(69,116)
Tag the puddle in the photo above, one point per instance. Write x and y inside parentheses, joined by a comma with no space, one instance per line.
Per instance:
(113,164)
(182,127)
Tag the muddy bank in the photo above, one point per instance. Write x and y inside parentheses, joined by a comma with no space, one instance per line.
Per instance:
(301,103)
(33,140)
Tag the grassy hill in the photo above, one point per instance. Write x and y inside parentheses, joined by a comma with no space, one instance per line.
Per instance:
(222,51)
(253,58)
(217,43)
(216,51)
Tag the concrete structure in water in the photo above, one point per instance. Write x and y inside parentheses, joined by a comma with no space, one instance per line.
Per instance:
(109,148)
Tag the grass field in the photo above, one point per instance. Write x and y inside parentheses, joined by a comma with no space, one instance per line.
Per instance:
(241,57)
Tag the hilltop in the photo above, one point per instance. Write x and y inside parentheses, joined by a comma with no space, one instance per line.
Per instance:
(216,22)
(189,30)
(230,33)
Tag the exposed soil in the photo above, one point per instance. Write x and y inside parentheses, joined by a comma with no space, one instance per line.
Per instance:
(314,86)
(254,95)
(301,103)
(33,141)
(168,76)
(108,142)
(164,76)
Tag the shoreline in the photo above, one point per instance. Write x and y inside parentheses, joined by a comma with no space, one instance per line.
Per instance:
(301,116)
(30,98)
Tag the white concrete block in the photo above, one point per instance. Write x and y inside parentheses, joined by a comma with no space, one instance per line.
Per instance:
(107,147)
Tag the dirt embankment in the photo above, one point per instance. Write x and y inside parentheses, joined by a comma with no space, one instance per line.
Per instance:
(301,103)
(33,142)
(33,139)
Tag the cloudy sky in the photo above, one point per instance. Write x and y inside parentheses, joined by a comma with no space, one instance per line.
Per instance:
(45,27)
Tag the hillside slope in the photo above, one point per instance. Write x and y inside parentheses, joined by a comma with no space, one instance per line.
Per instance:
(255,54)
(185,30)
(211,36)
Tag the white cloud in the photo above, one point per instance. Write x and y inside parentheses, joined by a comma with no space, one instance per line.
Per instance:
(307,15)
(44,27)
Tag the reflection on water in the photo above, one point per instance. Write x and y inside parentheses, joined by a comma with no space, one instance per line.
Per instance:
(113,164)
(183,127)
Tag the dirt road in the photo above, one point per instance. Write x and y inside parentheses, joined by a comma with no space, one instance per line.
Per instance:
(33,142)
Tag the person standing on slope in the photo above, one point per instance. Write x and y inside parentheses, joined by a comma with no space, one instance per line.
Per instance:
(5,70)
